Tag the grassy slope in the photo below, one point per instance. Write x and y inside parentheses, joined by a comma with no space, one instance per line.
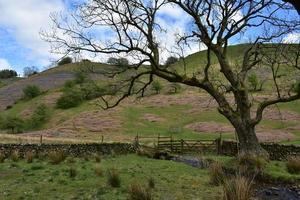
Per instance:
(131,114)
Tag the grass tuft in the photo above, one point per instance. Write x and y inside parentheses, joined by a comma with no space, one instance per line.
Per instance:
(113,178)
(293,165)
(98,170)
(2,157)
(15,156)
(237,188)
(138,192)
(56,157)
(217,174)
(29,156)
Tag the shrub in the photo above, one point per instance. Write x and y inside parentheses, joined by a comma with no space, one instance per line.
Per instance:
(29,156)
(156,86)
(13,123)
(72,172)
(98,170)
(151,182)
(253,81)
(65,60)
(171,60)
(217,174)
(90,90)
(69,84)
(31,91)
(237,188)
(56,157)
(80,77)
(138,192)
(15,156)
(113,178)
(40,115)
(70,99)
(293,165)
(2,157)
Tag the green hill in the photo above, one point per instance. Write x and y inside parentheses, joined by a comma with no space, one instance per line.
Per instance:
(189,113)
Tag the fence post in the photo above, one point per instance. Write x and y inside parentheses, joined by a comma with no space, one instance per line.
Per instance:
(181,145)
(41,139)
(172,143)
(102,139)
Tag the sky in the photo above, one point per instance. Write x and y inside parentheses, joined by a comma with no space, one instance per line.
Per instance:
(22,20)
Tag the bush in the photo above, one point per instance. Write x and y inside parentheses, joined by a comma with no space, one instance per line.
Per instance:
(56,157)
(171,60)
(70,99)
(15,156)
(237,188)
(40,115)
(64,61)
(217,174)
(29,156)
(156,86)
(13,123)
(31,91)
(90,91)
(293,165)
(138,192)
(113,178)
(80,77)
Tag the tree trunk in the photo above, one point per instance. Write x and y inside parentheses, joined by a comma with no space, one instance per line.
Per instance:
(248,142)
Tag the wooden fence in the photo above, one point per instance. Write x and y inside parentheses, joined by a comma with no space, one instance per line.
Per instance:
(163,143)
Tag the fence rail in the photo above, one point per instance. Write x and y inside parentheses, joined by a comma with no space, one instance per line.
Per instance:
(168,143)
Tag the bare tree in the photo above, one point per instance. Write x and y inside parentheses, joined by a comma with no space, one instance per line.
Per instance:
(214,24)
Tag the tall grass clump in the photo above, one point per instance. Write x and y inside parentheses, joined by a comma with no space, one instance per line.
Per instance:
(113,178)
(56,157)
(293,165)
(29,156)
(217,174)
(2,157)
(98,170)
(15,156)
(72,172)
(237,188)
(251,164)
(138,192)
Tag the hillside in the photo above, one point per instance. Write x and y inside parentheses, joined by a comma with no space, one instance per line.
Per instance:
(189,113)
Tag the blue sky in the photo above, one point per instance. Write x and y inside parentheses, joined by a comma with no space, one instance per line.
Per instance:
(21,22)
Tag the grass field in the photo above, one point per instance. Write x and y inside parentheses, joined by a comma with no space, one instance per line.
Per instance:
(41,180)
(172,180)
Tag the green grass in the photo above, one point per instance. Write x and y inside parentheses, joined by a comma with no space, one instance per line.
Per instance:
(41,180)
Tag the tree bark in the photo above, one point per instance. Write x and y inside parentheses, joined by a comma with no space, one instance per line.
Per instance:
(248,141)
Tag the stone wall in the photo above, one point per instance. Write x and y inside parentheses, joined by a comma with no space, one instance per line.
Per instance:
(68,149)
(276,151)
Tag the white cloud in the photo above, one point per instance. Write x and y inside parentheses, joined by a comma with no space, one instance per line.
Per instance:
(25,19)
(292,38)
(4,64)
